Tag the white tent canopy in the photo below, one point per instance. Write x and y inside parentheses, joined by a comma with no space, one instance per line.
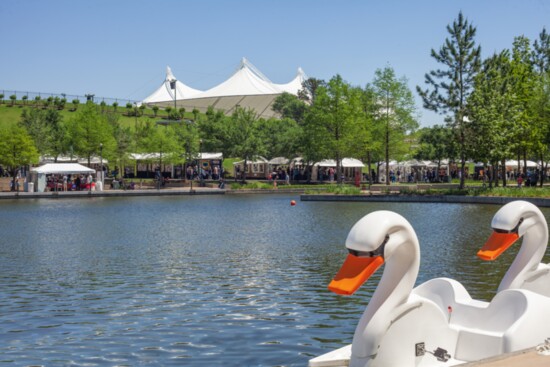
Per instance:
(247,88)
(346,162)
(210,155)
(278,160)
(295,85)
(63,168)
(165,92)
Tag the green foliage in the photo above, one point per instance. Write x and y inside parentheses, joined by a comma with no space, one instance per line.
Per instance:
(394,113)
(343,190)
(451,85)
(242,135)
(256,185)
(89,128)
(332,125)
(16,148)
(290,107)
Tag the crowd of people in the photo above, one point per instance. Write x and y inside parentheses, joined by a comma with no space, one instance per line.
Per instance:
(70,182)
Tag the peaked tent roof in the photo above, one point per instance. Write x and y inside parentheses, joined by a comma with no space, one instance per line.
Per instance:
(294,86)
(247,80)
(165,92)
(247,88)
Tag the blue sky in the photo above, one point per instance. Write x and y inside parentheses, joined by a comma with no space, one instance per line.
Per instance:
(120,48)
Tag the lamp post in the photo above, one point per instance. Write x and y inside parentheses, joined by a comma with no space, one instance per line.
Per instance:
(200,163)
(101,163)
(173,86)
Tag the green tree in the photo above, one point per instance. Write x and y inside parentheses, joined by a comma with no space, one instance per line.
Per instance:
(541,53)
(281,138)
(24,98)
(373,132)
(523,79)
(123,138)
(435,144)
(13,98)
(308,93)
(1,98)
(451,86)
(333,121)
(162,140)
(289,106)
(395,112)
(47,130)
(88,129)
(212,127)
(115,106)
(187,137)
(16,150)
(242,136)
(75,104)
(155,110)
(493,110)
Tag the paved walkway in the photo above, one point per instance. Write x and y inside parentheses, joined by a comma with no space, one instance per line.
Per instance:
(111,193)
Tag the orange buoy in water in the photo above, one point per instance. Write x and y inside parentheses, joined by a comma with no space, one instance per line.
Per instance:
(292,202)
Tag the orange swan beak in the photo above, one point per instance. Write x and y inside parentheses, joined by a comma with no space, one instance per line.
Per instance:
(353,273)
(496,245)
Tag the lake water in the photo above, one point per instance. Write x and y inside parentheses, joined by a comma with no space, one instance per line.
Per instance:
(203,281)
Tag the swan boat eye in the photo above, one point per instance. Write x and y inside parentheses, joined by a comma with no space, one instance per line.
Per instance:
(378,252)
(513,230)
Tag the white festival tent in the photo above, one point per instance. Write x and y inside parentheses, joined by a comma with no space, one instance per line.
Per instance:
(294,86)
(166,93)
(37,177)
(247,88)
(62,169)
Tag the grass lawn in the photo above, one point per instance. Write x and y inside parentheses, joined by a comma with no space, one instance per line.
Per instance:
(10,115)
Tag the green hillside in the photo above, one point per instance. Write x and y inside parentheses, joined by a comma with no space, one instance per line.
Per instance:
(12,114)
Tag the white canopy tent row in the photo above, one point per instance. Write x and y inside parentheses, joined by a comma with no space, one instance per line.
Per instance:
(414,170)
(146,164)
(247,88)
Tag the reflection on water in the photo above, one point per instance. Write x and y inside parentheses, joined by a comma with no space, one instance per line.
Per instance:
(201,281)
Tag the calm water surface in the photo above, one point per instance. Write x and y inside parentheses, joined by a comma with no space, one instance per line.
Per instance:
(190,281)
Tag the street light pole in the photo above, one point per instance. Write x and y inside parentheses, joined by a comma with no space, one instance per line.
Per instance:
(101,164)
(200,163)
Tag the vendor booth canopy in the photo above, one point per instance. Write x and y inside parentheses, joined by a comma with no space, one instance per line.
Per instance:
(278,161)
(63,168)
(346,162)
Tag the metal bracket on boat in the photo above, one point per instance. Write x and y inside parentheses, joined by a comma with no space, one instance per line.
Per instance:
(420,349)
(441,354)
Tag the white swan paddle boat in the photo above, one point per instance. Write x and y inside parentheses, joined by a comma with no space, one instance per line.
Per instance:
(434,324)
(511,222)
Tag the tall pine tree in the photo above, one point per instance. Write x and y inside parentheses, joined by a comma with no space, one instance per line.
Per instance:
(449,87)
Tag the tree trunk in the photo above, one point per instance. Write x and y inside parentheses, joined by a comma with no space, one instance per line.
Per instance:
(463,173)
(542,170)
(503,167)
(370,171)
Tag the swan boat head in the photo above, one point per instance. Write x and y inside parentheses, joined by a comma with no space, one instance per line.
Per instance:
(371,242)
(513,221)
(510,223)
